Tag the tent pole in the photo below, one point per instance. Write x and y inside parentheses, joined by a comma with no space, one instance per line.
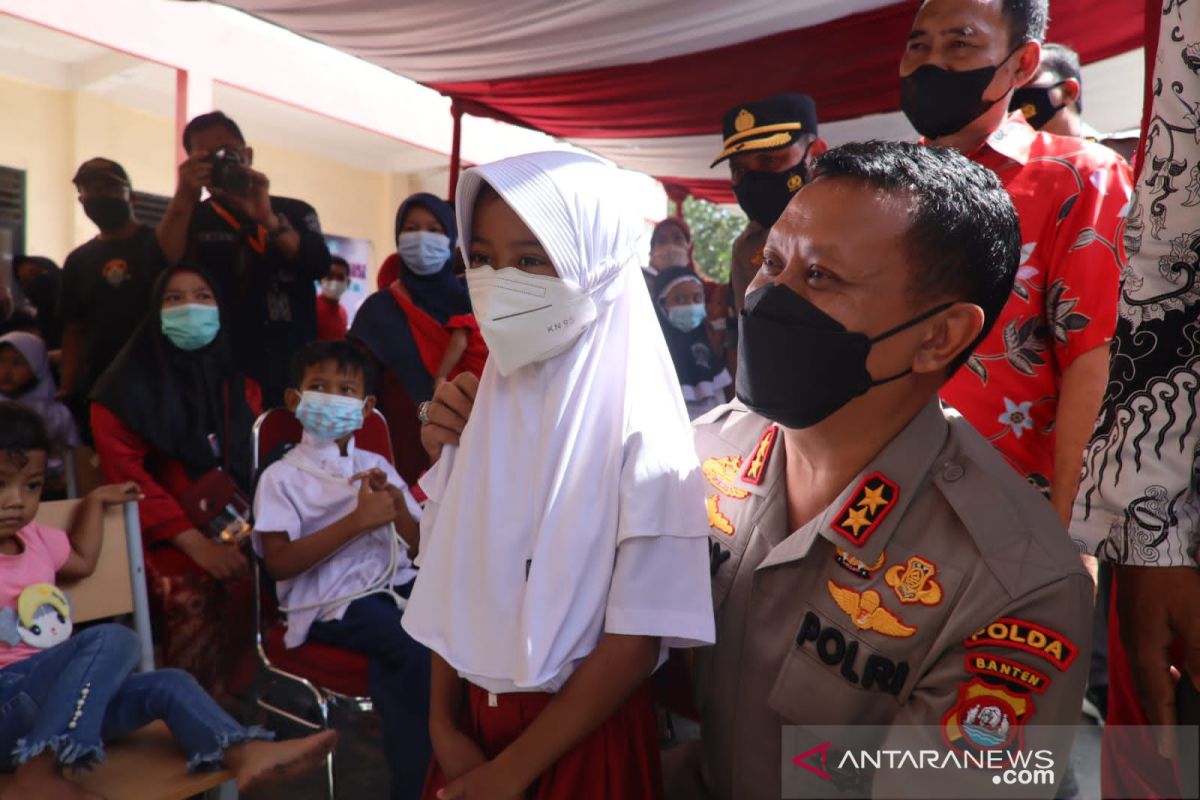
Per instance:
(455,148)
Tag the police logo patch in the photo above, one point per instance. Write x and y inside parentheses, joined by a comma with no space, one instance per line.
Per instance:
(866,509)
(721,474)
(715,518)
(986,717)
(866,611)
(744,121)
(1030,637)
(756,468)
(1013,673)
(859,568)
(913,582)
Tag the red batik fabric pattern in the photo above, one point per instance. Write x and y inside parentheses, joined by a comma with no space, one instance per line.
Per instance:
(1072,197)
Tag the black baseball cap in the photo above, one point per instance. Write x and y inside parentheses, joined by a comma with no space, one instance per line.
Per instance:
(100,170)
(767,124)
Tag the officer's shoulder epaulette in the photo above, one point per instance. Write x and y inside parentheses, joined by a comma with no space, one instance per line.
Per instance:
(1017,532)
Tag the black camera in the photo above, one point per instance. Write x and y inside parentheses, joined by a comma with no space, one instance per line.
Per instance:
(228,174)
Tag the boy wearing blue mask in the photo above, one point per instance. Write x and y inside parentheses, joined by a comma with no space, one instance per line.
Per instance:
(327,517)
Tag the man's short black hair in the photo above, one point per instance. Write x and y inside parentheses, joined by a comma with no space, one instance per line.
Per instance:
(964,239)
(21,432)
(210,120)
(341,262)
(1062,62)
(1027,20)
(350,357)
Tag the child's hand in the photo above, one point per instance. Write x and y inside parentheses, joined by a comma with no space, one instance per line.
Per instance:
(114,494)
(376,478)
(222,560)
(456,753)
(485,782)
(375,508)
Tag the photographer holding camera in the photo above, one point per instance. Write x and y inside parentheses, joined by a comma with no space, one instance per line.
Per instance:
(262,252)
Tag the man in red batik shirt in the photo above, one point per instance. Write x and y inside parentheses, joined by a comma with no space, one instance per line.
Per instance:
(1034,385)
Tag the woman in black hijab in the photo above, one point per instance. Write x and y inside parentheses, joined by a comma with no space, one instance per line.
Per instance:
(419,325)
(171,408)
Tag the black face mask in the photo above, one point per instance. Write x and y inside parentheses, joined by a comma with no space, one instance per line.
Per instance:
(109,213)
(796,364)
(1036,105)
(939,102)
(764,195)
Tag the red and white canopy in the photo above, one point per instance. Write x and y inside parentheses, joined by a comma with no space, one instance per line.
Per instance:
(645,82)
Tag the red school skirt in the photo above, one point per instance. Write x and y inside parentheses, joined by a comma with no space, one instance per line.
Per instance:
(618,761)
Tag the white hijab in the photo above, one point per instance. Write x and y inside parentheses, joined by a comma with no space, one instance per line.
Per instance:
(562,460)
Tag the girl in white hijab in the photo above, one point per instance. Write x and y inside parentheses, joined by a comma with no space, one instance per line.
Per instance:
(564,544)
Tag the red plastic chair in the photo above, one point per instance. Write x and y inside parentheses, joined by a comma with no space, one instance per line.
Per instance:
(330,674)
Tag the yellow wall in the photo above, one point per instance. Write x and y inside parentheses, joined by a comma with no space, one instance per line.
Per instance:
(49,132)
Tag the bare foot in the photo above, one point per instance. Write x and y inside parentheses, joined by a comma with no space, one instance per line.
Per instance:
(40,777)
(258,763)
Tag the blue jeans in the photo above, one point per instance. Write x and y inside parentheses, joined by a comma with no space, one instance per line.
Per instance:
(398,680)
(77,695)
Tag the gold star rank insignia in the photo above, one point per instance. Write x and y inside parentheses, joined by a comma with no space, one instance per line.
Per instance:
(870,502)
(856,520)
(756,468)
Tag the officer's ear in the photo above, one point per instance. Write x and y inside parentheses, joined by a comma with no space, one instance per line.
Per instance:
(947,335)
(817,147)
(1070,92)
(368,405)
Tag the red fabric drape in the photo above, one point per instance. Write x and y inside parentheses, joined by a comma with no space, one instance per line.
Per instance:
(716,190)
(848,65)
(433,338)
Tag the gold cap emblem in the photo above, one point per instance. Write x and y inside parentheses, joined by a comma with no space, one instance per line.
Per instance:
(1029,109)
(794,183)
(744,121)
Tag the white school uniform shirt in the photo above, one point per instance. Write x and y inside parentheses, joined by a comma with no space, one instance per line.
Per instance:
(291,499)
(574,505)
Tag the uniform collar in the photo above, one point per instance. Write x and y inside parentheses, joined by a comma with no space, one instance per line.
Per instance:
(862,519)
(1013,140)
(326,454)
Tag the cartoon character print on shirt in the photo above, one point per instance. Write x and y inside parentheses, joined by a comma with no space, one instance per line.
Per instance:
(42,618)
(116,271)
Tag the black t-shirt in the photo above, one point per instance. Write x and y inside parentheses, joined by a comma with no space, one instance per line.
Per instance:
(271,301)
(106,286)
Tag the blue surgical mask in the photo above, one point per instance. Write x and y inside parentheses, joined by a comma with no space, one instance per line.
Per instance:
(686,318)
(191,326)
(329,416)
(425,252)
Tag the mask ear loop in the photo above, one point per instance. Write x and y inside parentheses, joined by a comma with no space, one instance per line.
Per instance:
(903,327)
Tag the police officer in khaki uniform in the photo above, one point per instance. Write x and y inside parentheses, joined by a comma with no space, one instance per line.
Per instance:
(875,562)
(770,145)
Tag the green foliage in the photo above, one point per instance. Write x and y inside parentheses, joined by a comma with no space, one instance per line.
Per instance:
(714,228)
